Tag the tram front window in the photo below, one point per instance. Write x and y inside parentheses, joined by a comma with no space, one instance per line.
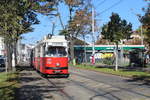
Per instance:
(56,52)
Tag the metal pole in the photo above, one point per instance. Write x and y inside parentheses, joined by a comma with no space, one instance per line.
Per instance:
(116,67)
(122,57)
(85,60)
(141,36)
(93,46)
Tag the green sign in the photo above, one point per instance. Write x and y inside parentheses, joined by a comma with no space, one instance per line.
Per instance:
(108,48)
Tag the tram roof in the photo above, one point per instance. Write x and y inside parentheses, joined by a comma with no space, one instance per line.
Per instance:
(52,39)
(56,39)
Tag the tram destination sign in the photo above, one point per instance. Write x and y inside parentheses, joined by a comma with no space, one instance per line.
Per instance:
(57,43)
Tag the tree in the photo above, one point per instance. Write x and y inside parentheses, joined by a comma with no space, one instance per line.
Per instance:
(115,31)
(81,25)
(145,20)
(102,41)
(16,18)
(79,21)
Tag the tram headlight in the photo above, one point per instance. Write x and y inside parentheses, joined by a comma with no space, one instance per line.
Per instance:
(57,64)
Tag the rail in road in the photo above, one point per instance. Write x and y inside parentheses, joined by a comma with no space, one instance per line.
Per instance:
(110,85)
(53,83)
(81,85)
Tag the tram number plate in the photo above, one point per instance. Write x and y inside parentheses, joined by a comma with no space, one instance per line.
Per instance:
(57,71)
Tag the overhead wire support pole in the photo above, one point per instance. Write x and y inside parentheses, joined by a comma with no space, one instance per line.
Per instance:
(142,43)
(93,42)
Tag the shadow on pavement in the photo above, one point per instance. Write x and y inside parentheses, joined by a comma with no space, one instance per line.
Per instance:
(33,92)
(28,90)
(104,66)
(29,79)
(37,89)
(26,68)
(107,95)
(144,80)
(33,86)
(125,68)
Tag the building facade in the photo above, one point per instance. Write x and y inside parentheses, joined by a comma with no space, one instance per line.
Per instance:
(103,51)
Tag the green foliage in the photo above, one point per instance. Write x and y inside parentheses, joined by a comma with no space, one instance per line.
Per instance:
(17,16)
(145,20)
(16,19)
(116,29)
(108,61)
(79,21)
(80,18)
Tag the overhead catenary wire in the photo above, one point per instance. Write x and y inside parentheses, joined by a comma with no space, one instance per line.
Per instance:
(115,4)
(100,3)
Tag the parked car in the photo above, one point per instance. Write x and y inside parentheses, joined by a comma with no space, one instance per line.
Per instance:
(2,62)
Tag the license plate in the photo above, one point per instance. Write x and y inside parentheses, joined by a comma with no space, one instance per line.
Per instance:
(57,71)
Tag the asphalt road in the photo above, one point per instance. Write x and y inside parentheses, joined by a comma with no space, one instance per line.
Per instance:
(81,85)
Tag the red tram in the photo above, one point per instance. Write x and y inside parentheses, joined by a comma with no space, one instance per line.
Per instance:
(50,56)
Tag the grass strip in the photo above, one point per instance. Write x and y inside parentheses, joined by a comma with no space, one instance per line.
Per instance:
(120,72)
(8,85)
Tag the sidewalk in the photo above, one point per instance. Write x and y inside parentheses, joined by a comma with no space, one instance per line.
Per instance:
(33,87)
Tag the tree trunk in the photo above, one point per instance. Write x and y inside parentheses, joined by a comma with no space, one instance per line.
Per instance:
(15,52)
(8,57)
(72,48)
(14,56)
(71,37)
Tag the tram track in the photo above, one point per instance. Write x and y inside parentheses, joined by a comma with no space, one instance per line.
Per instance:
(98,93)
(59,88)
(120,88)
(81,85)
(104,94)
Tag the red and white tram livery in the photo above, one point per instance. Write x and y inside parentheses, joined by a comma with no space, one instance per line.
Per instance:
(50,56)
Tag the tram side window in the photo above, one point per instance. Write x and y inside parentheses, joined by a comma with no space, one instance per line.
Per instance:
(56,52)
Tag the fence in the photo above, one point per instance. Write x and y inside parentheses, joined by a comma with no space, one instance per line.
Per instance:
(104,59)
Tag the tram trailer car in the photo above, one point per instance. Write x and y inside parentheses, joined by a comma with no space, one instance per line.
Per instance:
(50,56)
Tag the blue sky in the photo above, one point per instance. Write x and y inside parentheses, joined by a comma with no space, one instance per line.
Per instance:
(127,9)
